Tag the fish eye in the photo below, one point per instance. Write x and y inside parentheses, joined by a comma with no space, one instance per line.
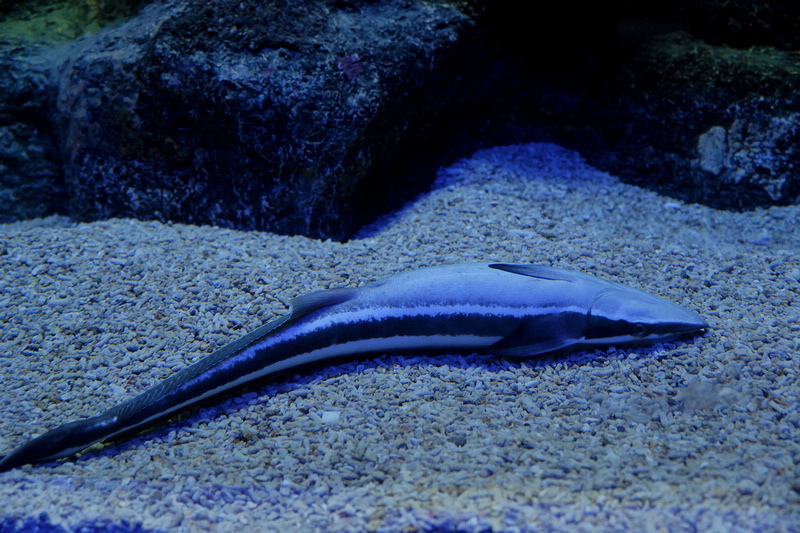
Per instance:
(639,330)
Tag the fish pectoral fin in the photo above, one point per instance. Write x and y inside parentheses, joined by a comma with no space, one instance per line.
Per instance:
(307,303)
(535,271)
(545,334)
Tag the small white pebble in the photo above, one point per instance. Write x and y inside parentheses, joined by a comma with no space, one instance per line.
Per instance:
(330,416)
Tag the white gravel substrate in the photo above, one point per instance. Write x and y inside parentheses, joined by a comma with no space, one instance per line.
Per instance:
(685,436)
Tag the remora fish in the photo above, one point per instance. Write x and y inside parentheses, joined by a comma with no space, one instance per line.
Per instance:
(502,309)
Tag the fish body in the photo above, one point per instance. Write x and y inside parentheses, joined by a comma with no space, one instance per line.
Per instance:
(502,309)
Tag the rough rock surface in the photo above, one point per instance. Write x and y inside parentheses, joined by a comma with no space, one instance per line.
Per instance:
(271,117)
(259,115)
(718,125)
(316,116)
(30,170)
(637,89)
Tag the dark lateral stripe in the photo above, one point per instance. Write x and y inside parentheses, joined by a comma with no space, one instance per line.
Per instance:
(298,344)
(417,326)
(344,332)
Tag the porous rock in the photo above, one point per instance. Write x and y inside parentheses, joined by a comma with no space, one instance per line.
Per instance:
(250,114)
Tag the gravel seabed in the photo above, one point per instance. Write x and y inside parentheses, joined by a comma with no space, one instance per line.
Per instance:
(699,435)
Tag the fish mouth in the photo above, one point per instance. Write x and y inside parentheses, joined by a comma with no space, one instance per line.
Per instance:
(690,327)
(683,330)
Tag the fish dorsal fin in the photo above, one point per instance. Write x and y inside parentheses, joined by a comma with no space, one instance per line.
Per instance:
(536,271)
(308,303)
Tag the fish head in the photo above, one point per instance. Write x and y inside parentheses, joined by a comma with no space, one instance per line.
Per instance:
(620,314)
